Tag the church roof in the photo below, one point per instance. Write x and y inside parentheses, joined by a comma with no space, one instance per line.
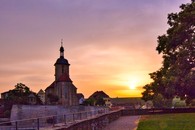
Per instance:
(64,78)
(62,61)
(50,86)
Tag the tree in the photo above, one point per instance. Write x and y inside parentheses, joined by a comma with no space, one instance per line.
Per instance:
(100,102)
(89,102)
(176,76)
(19,95)
(94,101)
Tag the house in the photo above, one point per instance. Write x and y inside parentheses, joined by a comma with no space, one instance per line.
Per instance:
(80,98)
(32,99)
(41,95)
(108,102)
(4,95)
(99,94)
(98,97)
(134,103)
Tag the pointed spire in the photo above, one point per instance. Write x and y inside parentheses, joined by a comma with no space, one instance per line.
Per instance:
(61,42)
(61,49)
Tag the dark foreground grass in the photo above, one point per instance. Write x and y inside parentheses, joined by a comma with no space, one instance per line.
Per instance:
(184,121)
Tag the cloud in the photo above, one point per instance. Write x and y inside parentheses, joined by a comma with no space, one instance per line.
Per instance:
(106,41)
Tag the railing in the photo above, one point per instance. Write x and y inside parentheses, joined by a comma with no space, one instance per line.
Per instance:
(95,123)
(127,112)
(86,120)
(49,122)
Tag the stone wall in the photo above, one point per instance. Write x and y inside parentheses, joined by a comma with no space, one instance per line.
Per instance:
(20,112)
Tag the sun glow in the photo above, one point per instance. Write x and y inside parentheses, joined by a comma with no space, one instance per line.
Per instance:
(133,84)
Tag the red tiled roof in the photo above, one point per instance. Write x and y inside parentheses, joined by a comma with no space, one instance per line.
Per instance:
(64,78)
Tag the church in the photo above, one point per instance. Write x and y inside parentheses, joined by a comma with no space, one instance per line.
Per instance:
(62,91)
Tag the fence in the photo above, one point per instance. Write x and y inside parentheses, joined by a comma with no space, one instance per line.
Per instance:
(49,122)
(127,112)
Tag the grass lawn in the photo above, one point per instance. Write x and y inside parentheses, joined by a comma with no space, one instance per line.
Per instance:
(184,121)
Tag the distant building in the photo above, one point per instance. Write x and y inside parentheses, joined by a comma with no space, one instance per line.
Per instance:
(108,102)
(177,102)
(133,103)
(80,98)
(41,95)
(2,102)
(99,94)
(2,108)
(4,95)
(98,98)
(32,99)
(62,90)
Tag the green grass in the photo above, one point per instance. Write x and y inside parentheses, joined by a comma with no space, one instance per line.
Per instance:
(167,122)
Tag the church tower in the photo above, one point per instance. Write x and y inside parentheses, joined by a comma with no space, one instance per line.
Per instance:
(61,65)
(62,89)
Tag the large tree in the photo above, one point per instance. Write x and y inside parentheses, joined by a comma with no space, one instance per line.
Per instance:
(20,94)
(176,77)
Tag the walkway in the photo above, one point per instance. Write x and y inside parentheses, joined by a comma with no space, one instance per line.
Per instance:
(124,123)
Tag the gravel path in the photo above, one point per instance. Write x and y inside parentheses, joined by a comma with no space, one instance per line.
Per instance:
(124,123)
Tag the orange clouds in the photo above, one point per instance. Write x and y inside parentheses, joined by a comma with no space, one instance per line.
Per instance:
(107,43)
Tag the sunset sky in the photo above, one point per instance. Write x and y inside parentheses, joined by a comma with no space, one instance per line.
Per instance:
(110,44)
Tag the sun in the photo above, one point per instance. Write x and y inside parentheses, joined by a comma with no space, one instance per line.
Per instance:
(132,84)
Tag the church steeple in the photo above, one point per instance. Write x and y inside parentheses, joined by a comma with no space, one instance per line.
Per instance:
(62,49)
(61,60)
(61,64)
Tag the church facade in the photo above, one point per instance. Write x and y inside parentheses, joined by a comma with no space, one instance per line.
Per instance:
(62,91)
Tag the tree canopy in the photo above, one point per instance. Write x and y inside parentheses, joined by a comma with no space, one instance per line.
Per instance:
(19,95)
(176,77)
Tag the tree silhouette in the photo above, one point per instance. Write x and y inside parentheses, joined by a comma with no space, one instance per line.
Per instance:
(176,77)
(18,95)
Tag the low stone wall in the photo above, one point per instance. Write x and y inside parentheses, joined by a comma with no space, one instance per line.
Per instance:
(21,112)
(96,123)
(44,116)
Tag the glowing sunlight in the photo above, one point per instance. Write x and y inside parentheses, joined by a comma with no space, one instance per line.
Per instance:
(133,83)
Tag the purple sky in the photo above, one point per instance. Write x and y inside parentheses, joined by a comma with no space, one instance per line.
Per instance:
(109,43)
